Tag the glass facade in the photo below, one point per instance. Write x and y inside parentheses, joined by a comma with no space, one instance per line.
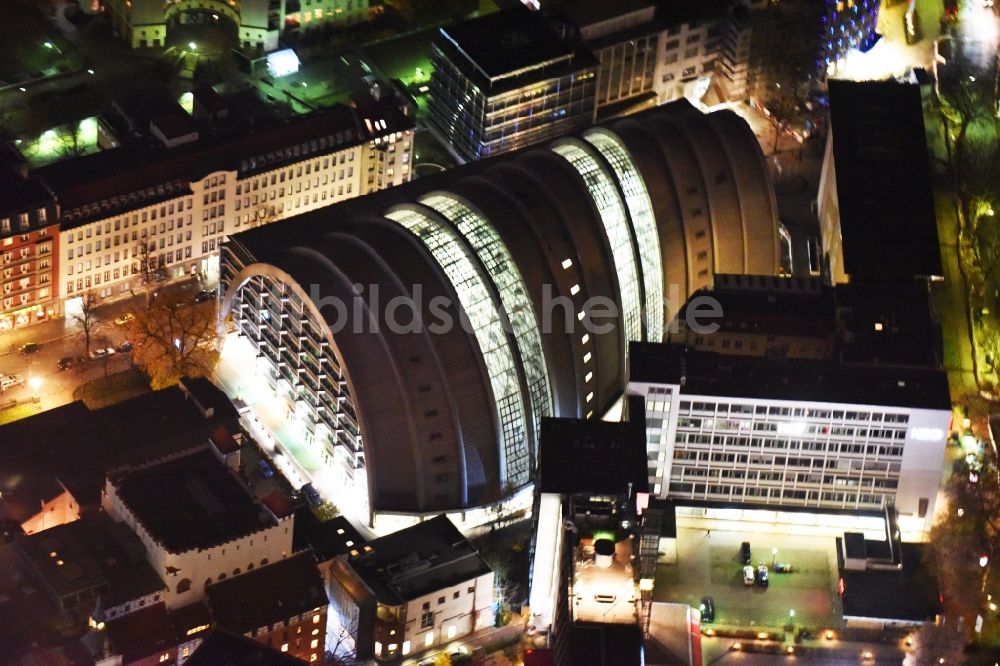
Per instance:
(479,233)
(485,320)
(616,225)
(640,210)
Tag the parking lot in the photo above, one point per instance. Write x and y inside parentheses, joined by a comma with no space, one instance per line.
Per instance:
(709,563)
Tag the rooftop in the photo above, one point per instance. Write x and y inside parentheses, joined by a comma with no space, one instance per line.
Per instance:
(43,450)
(190,502)
(327,539)
(587,456)
(910,593)
(418,560)
(887,219)
(224,648)
(93,552)
(142,633)
(511,43)
(711,374)
(268,594)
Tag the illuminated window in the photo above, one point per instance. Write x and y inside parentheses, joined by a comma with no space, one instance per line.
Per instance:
(640,210)
(575,289)
(567,263)
(616,227)
(509,283)
(429,639)
(378,648)
(588,377)
(284,647)
(484,317)
(406,647)
(313,643)
(452,630)
(316,618)
(586,357)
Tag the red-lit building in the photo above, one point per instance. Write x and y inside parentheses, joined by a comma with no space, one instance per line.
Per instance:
(29,239)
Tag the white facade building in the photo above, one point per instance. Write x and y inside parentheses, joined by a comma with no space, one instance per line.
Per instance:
(183,220)
(788,453)
(204,506)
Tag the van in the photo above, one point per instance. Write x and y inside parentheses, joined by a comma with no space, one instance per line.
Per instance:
(745,552)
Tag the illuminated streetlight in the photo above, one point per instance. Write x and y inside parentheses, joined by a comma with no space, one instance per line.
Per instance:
(983,561)
(48,45)
(192,46)
(35,383)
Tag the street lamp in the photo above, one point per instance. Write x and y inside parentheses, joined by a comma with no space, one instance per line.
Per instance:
(35,383)
(192,46)
(774,555)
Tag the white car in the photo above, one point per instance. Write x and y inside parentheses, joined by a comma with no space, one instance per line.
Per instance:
(748,575)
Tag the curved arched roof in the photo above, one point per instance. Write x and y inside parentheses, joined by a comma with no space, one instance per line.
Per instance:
(522,246)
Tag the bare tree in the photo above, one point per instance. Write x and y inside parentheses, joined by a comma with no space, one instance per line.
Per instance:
(937,644)
(143,263)
(343,648)
(263,214)
(88,319)
(173,338)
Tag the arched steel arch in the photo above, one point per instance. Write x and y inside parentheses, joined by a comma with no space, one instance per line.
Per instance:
(640,213)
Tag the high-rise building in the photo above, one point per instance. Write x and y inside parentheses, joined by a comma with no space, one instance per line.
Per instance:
(798,395)
(508,80)
(259,23)
(637,214)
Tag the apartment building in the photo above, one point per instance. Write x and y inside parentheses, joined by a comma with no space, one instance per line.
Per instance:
(133,214)
(852,415)
(413,590)
(29,247)
(689,49)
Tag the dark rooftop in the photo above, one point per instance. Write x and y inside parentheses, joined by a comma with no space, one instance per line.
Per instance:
(142,633)
(606,645)
(327,539)
(192,619)
(76,446)
(887,213)
(587,456)
(711,374)
(93,552)
(418,560)
(224,648)
(267,595)
(910,593)
(509,44)
(190,502)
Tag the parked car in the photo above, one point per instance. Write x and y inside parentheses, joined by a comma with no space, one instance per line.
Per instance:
(204,295)
(66,362)
(748,575)
(745,552)
(124,318)
(311,495)
(783,568)
(762,575)
(104,352)
(30,348)
(10,381)
(125,347)
(707,609)
(265,468)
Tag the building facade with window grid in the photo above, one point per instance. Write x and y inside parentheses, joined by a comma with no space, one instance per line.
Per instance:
(758,446)
(175,226)
(516,247)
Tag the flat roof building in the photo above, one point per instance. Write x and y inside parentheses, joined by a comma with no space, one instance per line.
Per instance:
(507,80)
(197,519)
(832,398)
(428,584)
(876,207)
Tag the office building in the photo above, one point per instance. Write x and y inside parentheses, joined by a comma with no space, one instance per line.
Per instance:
(416,589)
(498,241)
(805,396)
(508,80)
(258,23)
